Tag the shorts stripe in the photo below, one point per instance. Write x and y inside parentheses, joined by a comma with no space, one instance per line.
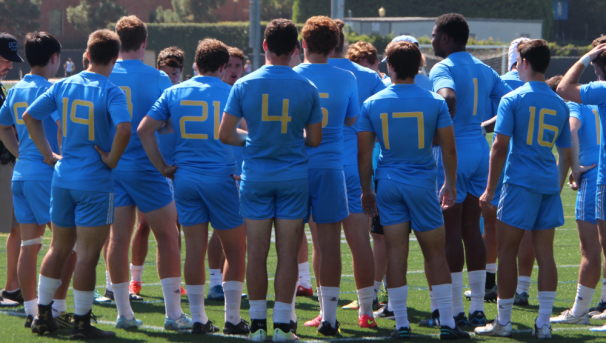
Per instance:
(580,209)
(500,207)
(110,209)
(600,202)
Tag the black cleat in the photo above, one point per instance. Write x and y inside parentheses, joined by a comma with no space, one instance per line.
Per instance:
(241,329)
(598,309)
(66,320)
(478,318)
(433,321)
(293,327)
(83,330)
(461,320)
(384,313)
(132,296)
(28,321)
(14,296)
(325,329)
(200,328)
(447,333)
(401,333)
(44,321)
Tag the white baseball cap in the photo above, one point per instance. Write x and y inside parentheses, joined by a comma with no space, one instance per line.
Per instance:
(513,51)
(406,38)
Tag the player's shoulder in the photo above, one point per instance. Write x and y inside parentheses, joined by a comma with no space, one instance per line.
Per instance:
(136,66)
(347,75)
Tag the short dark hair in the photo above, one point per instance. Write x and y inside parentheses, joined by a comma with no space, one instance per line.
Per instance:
(405,58)
(537,53)
(600,61)
(361,51)
(455,26)
(132,32)
(554,81)
(342,41)
(281,36)
(235,52)
(171,57)
(39,47)
(211,54)
(85,61)
(103,46)
(320,34)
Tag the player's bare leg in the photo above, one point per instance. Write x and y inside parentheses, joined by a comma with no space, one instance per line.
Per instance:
(31,241)
(13,247)
(526,260)
(196,240)
(216,260)
(139,245)
(490,242)
(234,243)
(304,287)
(315,261)
(329,244)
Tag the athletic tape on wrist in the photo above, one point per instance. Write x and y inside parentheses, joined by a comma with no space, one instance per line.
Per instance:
(32,241)
(586,59)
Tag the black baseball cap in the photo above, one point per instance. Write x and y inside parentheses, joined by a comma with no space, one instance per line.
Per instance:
(8,47)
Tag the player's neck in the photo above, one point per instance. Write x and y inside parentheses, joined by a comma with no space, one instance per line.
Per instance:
(138,54)
(315,58)
(336,55)
(406,81)
(104,70)
(538,77)
(272,59)
(44,72)
(454,49)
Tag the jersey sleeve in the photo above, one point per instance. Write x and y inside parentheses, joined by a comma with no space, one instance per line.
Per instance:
(353,108)
(163,83)
(6,116)
(364,123)
(575,110)
(316,109)
(499,88)
(44,105)
(55,116)
(593,93)
(234,104)
(117,108)
(564,140)
(160,110)
(506,117)
(441,77)
(444,119)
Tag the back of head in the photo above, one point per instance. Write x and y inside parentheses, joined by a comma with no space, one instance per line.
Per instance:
(405,58)
(171,57)
(341,46)
(85,61)
(454,26)
(554,81)
(281,36)
(39,47)
(235,52)
(211,54)
(601,59)
(362,51)
(132,32)
(321,35)
(103,46)
(537,53)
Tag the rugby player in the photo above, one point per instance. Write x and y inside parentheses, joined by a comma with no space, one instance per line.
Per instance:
(420,79)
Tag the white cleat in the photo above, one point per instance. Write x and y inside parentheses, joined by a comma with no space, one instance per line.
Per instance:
(183,323)
(567,317)
(495,329)
(542,333)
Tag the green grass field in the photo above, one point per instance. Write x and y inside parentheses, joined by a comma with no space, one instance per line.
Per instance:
(151,311)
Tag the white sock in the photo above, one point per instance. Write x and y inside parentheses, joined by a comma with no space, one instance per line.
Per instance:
(171,288)
(457,293)
(31,307)
(258,309)
(46,289)
(477,284)
(293,312)
(385,282)
(108,282)
(546,300)
(59,306)
(136,272)
(505,307)
(491,268)
(377,288)
(319,292)
(304,277)
(216,278)
(432,300)
(195,295)
(399,297)
(389,306)
(330,301)
(281,313)
(603,297)
(582,301)
(443,298)
(365,298)
(523,284)
(121,294)
(233,298)
(83,302)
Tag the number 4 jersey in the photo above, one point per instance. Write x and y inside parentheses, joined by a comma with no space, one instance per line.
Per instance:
(535,118)
(90,107)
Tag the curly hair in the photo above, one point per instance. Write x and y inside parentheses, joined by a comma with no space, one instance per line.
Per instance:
(362,51)
(211,55)
(235,52)
(132,32)
(321,35)
(600,61)
(171,57)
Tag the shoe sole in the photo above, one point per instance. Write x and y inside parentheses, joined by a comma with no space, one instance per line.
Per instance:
(504,334)
(582,322)
(41,330)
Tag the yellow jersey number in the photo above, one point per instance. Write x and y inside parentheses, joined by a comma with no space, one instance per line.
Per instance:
(420,126)
(324,111)
(129,99)
(542,127)
(90,121)
(597,125)
(204,105)
(284,119)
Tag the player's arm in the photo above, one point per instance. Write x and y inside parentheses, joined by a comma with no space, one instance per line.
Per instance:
(229,132)
(366,145)
(121,139)
(498,155)
(8,137)
(446,140)
(569,88)
(575,125)
(350,121)
(35,128)
(451,100)
(313,134)
(146,130)
(59,135)
(489,124)
(564,161)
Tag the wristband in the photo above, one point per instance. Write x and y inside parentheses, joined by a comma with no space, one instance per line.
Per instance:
(586,59)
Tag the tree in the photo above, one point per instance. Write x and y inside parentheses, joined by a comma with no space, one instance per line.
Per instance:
(92,15)
(304,9)
(18,17)
(272,9)
(189,11)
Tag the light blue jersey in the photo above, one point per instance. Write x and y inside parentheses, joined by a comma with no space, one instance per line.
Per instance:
(475,84)
(594,93)
(167,143)
(30,164)
(590,133)
(142,86)
(420,80)
(535,118)
(369,83)
(91,107)
(339,100)
(195,108)
(277,104)
(405,119)
(512,79)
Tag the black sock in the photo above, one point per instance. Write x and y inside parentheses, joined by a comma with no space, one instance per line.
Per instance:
(490,280)
(258,324)
(285,327)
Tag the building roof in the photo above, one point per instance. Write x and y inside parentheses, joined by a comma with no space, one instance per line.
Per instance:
(392,19)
